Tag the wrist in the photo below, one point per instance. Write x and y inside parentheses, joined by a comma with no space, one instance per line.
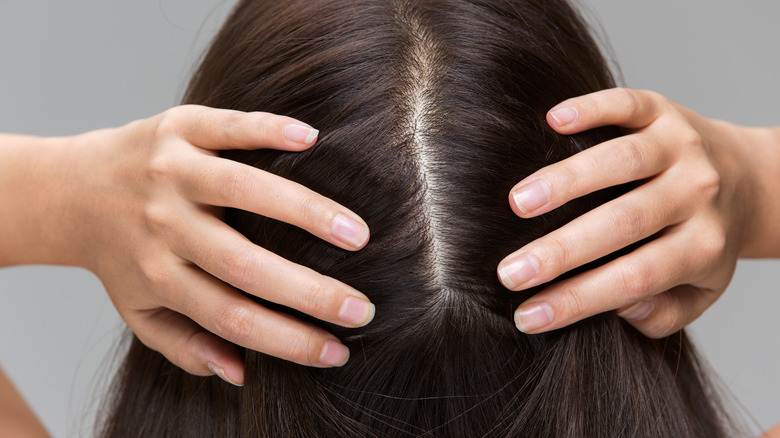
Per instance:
(78,166)
(25,195)
(760,148)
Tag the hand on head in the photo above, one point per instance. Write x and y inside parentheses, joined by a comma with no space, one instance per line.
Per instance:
(151,197)
(693,200)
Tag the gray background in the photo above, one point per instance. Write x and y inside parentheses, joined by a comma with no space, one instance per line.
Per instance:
(71,66)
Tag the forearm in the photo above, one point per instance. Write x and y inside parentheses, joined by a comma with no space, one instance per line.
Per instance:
(762,152)
(29,178)
(16,417)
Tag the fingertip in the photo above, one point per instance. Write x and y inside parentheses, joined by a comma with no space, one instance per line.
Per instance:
(637,312)
(646,318)
(233,366)
(528,199)
(534,318)
(562,116)
(513,202)
(553,122)
(504,277)
(665,316)
(351,232)
(334,354)
(519,271)
(223,359)
(301,135)
(357,311)
(234,378)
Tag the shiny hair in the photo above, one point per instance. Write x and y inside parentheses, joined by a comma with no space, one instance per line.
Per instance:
(429,112)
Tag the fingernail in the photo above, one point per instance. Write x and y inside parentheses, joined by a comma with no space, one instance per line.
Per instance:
(519,271)
(533,317)
(356,311)
(638,311)
(220,372)
(349,231)
(532,196)
(334,354)
(564,115)
(300,133)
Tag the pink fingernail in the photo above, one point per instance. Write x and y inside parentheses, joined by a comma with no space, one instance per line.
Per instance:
(356,311)
(518,271)
(532,196)
(349,231)
(334,354)
(564,115)
(220,372)
(638,311)
(300,134)
(533,317)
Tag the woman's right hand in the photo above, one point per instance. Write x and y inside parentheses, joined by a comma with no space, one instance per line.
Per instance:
(141,209)
(708,190)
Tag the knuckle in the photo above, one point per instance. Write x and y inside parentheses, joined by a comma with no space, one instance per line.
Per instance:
(558,255)
(691,139)
(267,125)
(310,209)
(233,187)
(157,217)
(161,166)
(631,157)
(635,280)
(231,124)
(298,347)
(168,122)
(154,273)
(316,298)
(235,323)
(629,222)
(627,99)
(574,302)
(569,178)
(713,247)
(653,97)
(242,270)
(708,182)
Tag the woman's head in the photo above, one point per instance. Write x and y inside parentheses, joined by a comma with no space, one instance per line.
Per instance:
(429,112)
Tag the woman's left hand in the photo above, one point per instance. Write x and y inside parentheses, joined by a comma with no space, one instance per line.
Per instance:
(697,182)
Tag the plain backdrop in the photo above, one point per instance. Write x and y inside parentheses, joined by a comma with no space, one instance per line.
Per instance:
(72,66)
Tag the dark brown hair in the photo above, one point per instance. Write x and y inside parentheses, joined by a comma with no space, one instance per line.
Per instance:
(429,112)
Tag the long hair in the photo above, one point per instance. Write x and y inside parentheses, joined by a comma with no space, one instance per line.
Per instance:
(429,112)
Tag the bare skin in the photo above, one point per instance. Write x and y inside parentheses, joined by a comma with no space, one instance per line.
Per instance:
(139,206)
(17,420)
(708,189)
(772,433)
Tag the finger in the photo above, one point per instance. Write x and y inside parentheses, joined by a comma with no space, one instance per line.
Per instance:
(609,227)
(225,183)
(617,161)
(234,317)
(645,272)
(231,257)
(711,273)
(617,106)
(669,311)
(188,345)
(220,129)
